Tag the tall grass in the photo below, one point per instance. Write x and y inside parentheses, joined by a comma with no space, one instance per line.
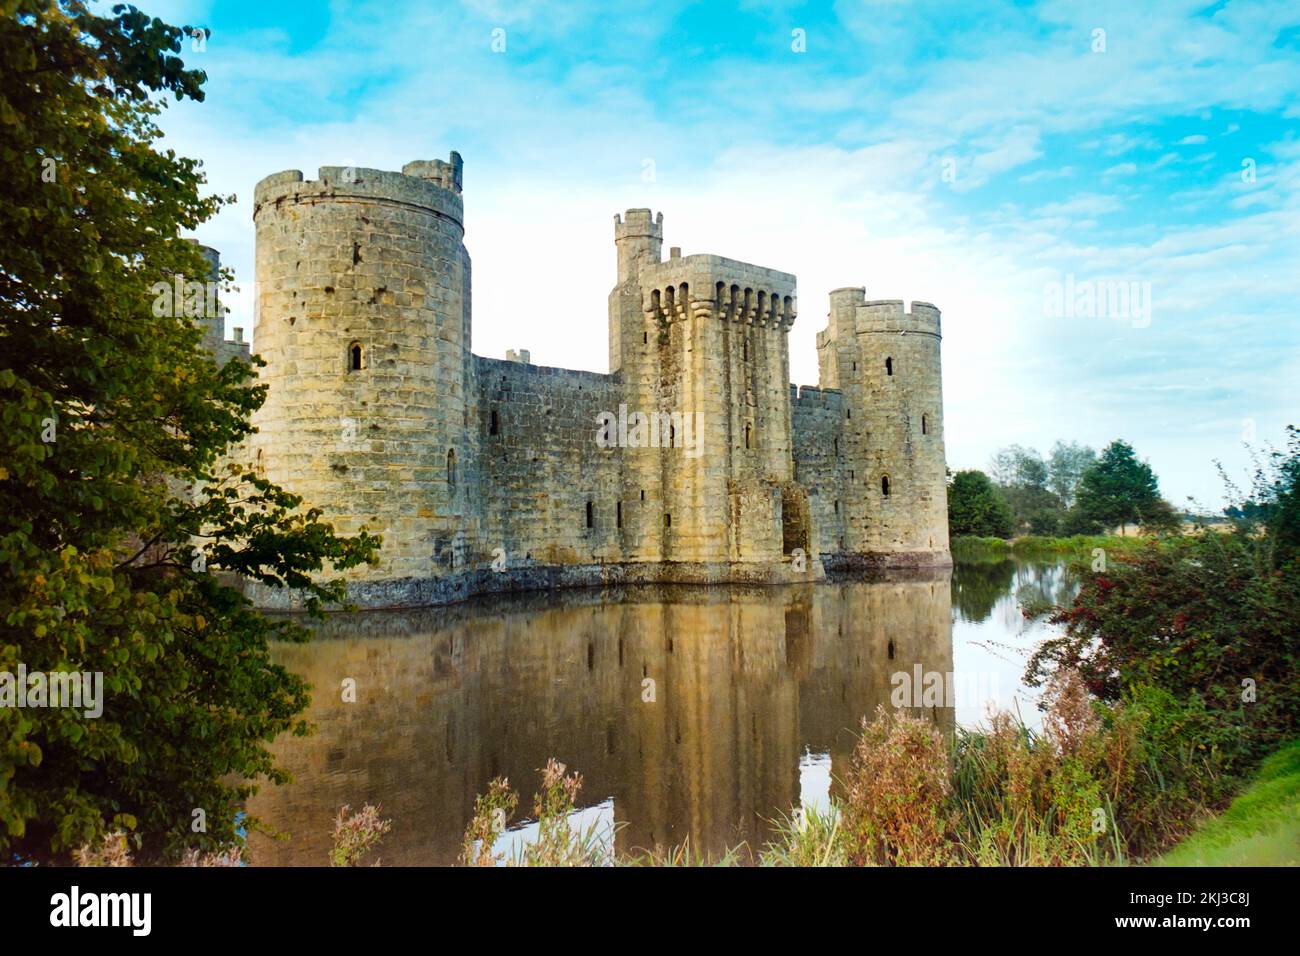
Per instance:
(1098,785)
(973,549)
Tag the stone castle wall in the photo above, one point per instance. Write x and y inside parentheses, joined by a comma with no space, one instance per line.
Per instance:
(540,466)
(483,474)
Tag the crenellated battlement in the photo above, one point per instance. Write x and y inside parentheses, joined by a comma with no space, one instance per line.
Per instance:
(426,184)
(812,396)
(448,175)
(637,223)
(714,285)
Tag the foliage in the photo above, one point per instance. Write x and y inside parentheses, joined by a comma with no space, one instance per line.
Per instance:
(356,834)
(558,841)
(1199,618)
(1270,513)
(1201,633)
(114,423)
(1022,477)
(1118,489)
(492,812)
(1066,464)
(114,850)
(975,507)
(1074,492)
(896,808)
(1017,465)
(968,549)
(684,855)
(810,837)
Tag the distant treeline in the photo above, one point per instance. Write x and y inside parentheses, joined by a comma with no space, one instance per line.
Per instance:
(1073,491)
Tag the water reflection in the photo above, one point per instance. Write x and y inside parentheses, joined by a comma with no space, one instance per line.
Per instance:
(992,639)
(755,697)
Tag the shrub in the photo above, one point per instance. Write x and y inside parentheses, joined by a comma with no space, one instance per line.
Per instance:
(895,808)
(356,834)
(492,811)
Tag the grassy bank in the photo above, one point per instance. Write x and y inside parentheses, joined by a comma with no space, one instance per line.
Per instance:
(1035,546)
(1260,828)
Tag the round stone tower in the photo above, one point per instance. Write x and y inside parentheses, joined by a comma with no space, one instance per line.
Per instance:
(901,394)
(363,319)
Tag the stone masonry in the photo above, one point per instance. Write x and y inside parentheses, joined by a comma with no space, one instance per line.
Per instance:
(692,460)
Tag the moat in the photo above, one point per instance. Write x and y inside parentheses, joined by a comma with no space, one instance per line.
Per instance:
(693,712)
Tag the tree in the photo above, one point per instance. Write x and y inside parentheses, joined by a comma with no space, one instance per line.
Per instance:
(1066,464)
(1022,480)
(976,507)
(1016,465)
(1271,510)
(1118,489)
(115,421)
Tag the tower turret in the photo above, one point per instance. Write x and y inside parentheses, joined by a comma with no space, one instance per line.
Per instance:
(639,240)
(886,362)
(363,319)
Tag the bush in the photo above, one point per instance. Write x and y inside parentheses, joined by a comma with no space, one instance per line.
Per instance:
(1201,619)
(356,834)
(896,805)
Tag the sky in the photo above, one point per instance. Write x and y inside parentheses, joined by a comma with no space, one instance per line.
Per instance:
(1014,163)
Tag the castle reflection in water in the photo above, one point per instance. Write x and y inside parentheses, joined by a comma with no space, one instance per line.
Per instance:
(746,682)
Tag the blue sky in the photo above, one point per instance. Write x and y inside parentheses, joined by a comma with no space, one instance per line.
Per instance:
(971,155)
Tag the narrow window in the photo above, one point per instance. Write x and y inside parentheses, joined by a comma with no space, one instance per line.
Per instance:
(355,357)
(836,444)
(645,338)
(451,468)
(643,494)
(591,518)
(837,507)
(884,485)
(923,425)
(668,520)
(889,366)
(618,514)
(749,434)
(494,427)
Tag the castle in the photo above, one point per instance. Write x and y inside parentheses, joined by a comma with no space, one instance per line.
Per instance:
(692,460)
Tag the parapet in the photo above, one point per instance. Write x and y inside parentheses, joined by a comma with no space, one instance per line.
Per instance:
(737,290)
(889,315)
(428,184)
(638,223)
(448,175)
(812,396)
